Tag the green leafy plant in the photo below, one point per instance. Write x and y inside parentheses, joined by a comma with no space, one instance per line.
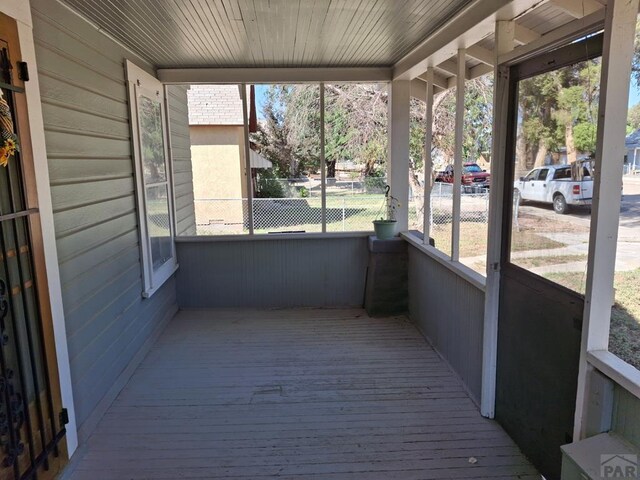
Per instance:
(269,186)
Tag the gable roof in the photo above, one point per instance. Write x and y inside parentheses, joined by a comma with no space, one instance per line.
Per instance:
(633,139)
(215,105)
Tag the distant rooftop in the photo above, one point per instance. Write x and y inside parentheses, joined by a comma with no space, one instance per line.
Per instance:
(215,105)
(633,139)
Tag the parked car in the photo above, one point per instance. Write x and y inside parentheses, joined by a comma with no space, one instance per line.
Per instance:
(472,175)
(562,186)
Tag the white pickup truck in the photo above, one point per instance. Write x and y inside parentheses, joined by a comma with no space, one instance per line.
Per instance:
(560,185)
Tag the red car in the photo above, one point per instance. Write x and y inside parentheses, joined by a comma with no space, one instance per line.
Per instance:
(472,175)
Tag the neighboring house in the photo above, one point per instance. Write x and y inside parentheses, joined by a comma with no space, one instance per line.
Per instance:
(218,155)
(632,146)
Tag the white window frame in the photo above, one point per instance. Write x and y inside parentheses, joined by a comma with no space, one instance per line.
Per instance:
(451,259)
(139,81)
(248,183)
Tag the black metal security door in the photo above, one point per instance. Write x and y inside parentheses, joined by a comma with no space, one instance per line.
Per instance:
(31,422)
(540,317)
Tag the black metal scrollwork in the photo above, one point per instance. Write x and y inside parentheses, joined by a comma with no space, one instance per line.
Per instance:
(12,415)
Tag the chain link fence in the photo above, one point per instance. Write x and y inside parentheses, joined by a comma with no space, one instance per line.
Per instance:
(474,207)
(345,211)
(277,215)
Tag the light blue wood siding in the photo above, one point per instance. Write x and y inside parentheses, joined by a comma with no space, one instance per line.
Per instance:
(86,116)
(626,415)
(321,272)
(449,311)
(181,155)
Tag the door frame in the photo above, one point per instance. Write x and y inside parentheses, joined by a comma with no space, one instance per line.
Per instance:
(553,377)
(508,55)
(20,10)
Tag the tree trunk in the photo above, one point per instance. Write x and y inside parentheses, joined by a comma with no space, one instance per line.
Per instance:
(541,154)
(369,168)
(418,194)
(331,169)
(572,154)
(521,155)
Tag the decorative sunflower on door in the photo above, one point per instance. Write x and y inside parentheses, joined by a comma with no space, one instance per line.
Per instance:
(8,138)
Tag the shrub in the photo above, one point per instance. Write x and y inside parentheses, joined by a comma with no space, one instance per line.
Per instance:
(375,183)
(269,186)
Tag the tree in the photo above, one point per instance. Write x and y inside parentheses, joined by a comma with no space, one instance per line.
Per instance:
(272,137)
(584,135)
(557,108)
(356,127)
(633,118)
(356,119)
(635,64)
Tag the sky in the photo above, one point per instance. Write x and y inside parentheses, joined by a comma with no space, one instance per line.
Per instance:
(260,93)
(634,94)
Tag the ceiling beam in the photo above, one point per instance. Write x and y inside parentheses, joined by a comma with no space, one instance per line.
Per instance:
(419,89)
(272,75)
(450,67)
(479,70)
(475,72)
(470,25)
(438,80)
(578,8)
(567,32)
(481,54)
(524,35)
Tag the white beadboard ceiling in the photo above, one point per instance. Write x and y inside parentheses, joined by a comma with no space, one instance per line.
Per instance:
(268,33)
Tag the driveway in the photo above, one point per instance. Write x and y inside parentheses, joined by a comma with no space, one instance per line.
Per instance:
(577,240)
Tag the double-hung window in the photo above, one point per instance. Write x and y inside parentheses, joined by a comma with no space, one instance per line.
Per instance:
(153,178)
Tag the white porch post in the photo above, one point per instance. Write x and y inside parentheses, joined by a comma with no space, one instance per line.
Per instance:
(247,154)
(619,32)
(505,42)
(428,167)
(323,164)
(398,161)
(457,157)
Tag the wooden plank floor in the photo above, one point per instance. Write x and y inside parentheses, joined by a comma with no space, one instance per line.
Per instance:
(323,394)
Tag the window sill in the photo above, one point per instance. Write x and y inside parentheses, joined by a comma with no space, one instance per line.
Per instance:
(616,369)
(466,273)
(150,291)
(270,236)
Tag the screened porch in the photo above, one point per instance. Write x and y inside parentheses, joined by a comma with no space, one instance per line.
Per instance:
(205,176)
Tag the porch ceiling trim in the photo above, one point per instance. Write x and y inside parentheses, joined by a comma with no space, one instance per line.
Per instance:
(468,27)
(571,30)
(273,75)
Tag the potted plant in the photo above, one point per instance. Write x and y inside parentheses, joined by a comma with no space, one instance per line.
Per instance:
(385,228)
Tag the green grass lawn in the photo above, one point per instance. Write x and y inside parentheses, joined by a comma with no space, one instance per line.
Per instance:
(348,213)
(624,337)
